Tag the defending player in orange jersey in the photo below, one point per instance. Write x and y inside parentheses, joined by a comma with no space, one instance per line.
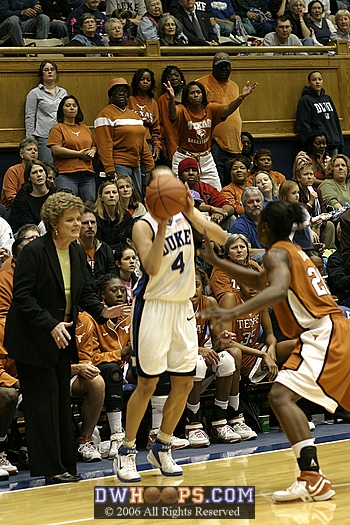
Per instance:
(318,368)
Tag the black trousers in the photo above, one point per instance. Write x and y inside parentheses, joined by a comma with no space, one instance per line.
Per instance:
(48,416)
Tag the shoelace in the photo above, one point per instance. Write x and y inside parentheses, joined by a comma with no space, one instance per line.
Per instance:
(198,433)
(129,462)
(3,460)
(226,431)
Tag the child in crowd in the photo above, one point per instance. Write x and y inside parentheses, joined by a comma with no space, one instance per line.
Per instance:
(124,17)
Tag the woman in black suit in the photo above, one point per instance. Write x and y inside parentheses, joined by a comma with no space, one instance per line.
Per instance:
(50,284)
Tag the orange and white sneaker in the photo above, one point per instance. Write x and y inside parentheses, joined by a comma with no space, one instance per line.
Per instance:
(310,486)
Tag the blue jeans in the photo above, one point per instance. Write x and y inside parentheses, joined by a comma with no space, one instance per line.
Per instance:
(81,183)
(220,157)
(15,27)
(134,173)
(45,154)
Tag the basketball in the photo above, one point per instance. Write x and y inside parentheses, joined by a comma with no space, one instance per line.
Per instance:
(166,196)
(169,495)
(152,495)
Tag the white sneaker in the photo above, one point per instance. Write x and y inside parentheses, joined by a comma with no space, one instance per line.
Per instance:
(311,425)
(6,465)
(196,436)
(221,432)
(4,475)
(160,456)
(125,465)
(116,442)
(240,427)
(88,452)
(176,443)
(310,486)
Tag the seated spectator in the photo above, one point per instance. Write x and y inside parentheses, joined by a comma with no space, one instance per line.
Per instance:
(239,176)
(89,6)
(109,350)
(87,383)
(342,22)
(22,16)
(257,14)
(247,140)
(338,276)
(315,147)
(57,11)
(311,197)
(289,192)
(298,19)
(170,31)
(246,224)
(228,21)
(126,261)
(14,176)
(254,359)
(29,200)
(124,19)
(236,250)
(196,24)
(282,37)
(115,35)
(147,28)
(214,203)
(52,174)
(129,197)
(135,9)
(213,362)
(88,36)
(336,188)
(267,186)
(99,255)
(262,161)
(321,26)
(114,224)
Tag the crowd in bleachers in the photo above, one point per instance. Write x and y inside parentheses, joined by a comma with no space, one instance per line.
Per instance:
(195,128)
(176,22)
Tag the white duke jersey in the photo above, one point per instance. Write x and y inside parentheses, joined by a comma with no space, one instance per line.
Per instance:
(175,280)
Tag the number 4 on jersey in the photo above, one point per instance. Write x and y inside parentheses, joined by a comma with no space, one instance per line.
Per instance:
(178,264)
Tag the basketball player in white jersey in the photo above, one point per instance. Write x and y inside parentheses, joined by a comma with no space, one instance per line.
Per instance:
(164,333)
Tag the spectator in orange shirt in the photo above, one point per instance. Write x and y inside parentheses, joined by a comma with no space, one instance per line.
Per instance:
(238,168)
(262,161)
(14,176)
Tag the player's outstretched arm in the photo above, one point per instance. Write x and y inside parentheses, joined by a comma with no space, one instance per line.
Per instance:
(213,231)
(150,251)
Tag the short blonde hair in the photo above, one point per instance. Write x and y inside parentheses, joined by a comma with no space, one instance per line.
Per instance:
(340,13)
(111,21)
(274,185)
(55,206)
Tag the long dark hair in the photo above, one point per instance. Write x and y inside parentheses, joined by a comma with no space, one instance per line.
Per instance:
(28,186)
(184,98)
(41,69)
(60,116)
(136,79)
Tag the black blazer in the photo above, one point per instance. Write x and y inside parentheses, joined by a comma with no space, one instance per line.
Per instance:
(39,302)
(204,21)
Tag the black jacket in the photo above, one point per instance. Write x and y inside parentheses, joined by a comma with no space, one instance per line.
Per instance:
(204,21)
(39,302)
(317,112)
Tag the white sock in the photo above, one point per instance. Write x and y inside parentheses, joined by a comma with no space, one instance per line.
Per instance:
(301,444)
(157,403)
(221,404)
(233,401)
(115,421)
(193,408)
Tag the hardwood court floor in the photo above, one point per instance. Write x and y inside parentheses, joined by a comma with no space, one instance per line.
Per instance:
(268,471)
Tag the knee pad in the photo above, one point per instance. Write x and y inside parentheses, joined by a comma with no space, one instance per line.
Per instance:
(113,386)
(201,369)
(163,385)
(226,366)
